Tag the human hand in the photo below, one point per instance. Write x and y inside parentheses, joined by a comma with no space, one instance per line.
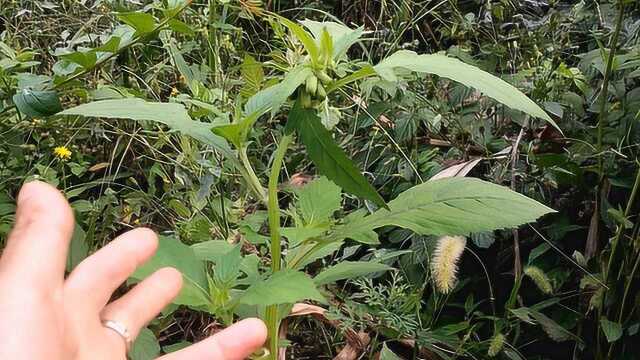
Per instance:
(45,316)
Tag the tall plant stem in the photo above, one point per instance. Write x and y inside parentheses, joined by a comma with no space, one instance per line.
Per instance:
(274,230)
(127,45)
(620,230)
(602,115)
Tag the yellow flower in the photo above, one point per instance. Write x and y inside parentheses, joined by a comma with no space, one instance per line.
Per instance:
(62,153)
(444,264)
(174,92)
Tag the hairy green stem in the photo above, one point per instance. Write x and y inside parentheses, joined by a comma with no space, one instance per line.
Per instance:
(274,230)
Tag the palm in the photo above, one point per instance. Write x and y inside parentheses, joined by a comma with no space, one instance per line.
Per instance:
(46,316)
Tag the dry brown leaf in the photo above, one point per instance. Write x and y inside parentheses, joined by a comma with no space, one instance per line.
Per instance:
(459,170)
(99,166)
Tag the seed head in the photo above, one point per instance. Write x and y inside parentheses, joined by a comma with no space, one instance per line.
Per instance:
(444,264)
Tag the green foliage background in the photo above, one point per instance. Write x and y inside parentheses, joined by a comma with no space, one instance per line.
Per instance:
(385,123)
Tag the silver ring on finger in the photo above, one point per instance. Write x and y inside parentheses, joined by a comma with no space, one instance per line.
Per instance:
(120,329)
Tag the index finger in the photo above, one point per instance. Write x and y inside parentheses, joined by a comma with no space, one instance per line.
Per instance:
(36,249)
(236,342)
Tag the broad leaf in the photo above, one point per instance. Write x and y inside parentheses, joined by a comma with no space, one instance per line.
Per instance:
(171,252)
(274,96)
(284,287)
(612,330)
(328,157)
(348,270)
(341,36)
(252,75)
(37,103)
(237,133)
(319,200)
(468,75)
(146,346)
(143,23)
(453,206)
(211,250)
(297,235)
(171,114)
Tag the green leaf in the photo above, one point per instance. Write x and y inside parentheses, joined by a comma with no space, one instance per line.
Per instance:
(252,76)
(319,200)
(85,59)
(348,270)
(179,26)
(211,250)
(143,23)
(284,287)
(173,253)
(341,36)
(328,157)
(146,346)
(612,330)
(304,37)
(37,103)
(554,330)
(386,354)
(297,235)
(227,266)
(274,96)
(237,133)
(173,115)
(451,206)
(468,75)
(78,249)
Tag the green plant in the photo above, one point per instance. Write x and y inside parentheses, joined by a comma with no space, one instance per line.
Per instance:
(313,74)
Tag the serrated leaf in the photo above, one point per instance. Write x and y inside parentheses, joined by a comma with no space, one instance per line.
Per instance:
(348,270)
(612,330)
(37,103)
(319,200)
(328,157)
(173,253)
(284,287)
(143,23)
(454,69)
(173,115)
(252,75)
(452,206)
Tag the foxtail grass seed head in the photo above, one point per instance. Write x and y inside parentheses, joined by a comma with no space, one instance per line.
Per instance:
(539,278)
(444,264)
(497,343)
